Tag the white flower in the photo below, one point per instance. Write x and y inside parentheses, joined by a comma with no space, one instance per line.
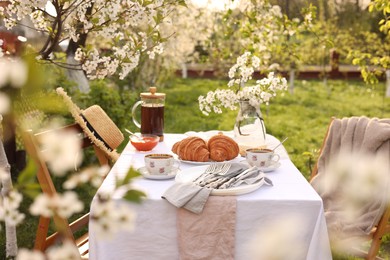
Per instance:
(13,72)
(5,103)
(62,151)
(12,200)
(41,206)
(67,251)
(281,230)
(25,254)
(94,175)
(3,173)
(308,17)
(358,180)
(9,208)
(64,205)
(108,218)
(14,217)
(262,92)
(68,204)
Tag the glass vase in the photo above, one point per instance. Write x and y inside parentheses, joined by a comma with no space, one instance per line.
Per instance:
(249,128)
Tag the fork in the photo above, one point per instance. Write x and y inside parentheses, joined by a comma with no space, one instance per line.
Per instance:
(224,169)
(220,172)
(209,170)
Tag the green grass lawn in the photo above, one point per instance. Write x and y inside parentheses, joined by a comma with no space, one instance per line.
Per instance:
(303,117)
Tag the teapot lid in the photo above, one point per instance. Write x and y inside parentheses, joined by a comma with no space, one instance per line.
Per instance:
(153,94)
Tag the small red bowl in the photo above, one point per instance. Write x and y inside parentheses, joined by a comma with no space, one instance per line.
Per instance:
(145,142)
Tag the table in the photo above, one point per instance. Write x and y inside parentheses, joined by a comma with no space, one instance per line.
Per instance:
(155,234)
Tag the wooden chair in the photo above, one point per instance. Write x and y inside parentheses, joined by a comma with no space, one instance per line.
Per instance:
(65,230)
(377,232)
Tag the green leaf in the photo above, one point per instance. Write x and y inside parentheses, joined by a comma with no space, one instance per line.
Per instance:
(28,175)
(183,3)
(132,173)
(309,154)
(371,8)
(134,196)
(32,190)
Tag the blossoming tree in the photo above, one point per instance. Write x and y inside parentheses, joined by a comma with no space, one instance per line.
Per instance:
(104,37)
(374,64)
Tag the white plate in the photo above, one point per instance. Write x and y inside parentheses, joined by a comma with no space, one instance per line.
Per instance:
(190,174)
(206,163)
(195,163)
(144,172)
(271,167)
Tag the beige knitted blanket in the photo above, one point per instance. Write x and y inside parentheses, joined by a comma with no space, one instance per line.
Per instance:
(353,135)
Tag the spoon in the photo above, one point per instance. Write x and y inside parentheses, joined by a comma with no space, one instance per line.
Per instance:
(280,143)
(136,136)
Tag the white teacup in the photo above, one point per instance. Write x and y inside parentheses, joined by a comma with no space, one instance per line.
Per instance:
(261,157)
(160,164)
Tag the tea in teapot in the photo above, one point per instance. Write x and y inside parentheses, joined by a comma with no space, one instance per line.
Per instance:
(152,113)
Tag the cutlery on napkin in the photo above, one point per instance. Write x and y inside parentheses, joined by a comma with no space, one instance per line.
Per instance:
(193,196)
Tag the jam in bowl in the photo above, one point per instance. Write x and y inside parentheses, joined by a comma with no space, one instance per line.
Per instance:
(144,142)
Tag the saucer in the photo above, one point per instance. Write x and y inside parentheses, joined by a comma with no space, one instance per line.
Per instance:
(144,172)
(273,166)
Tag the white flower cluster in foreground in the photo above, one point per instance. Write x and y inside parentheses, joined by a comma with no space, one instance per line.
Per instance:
(277,231)
(240,73)
(360,182)
(13,73)
(357,179)
(62,151)
(93,175)
(109,217)
(66,251)
(64,205)
(9,204)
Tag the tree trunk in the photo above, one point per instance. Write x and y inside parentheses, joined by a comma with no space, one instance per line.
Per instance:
(388,83)
(6,187)
(184,71)
(77,76)
(292,80)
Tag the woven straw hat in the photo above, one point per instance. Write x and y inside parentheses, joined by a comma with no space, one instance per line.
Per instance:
(97,125)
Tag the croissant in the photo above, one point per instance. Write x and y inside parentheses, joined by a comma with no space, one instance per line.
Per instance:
(222,148)
(192,149)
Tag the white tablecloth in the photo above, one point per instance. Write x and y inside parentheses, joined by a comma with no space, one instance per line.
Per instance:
(155,234)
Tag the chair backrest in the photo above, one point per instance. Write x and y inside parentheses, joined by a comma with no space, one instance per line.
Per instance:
(344,132)
(315,169)
(33,148)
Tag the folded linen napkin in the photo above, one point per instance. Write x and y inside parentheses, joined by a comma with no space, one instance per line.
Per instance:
(187,195)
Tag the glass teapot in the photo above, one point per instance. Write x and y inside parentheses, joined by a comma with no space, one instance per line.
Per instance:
(152,113)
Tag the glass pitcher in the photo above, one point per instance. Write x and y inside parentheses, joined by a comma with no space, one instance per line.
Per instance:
(249,129)
(152,113)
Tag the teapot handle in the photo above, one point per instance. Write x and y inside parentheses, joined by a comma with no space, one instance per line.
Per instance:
(133,113)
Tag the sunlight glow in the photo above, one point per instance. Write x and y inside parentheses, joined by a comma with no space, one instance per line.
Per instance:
(50,9)
(218,5)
